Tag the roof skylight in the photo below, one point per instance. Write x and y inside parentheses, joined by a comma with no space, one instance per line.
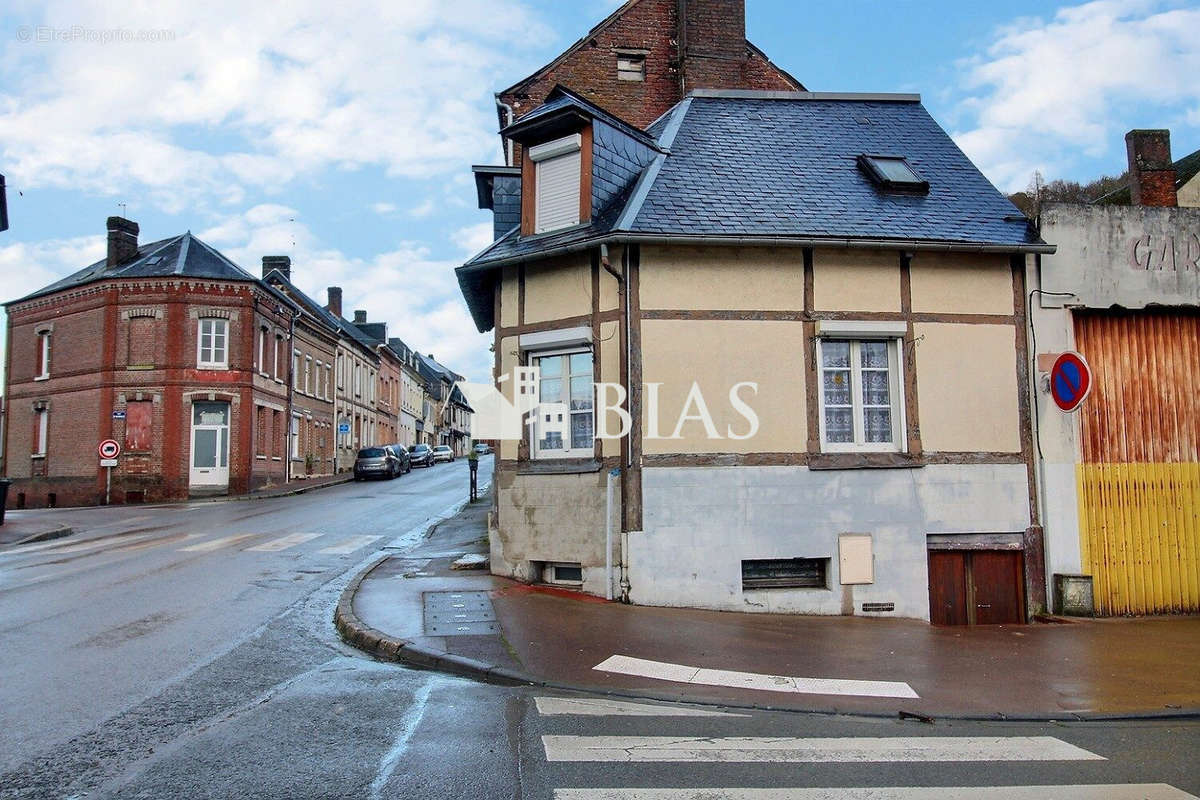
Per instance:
(892,173)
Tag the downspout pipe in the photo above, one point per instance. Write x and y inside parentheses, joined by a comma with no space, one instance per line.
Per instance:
(508,120)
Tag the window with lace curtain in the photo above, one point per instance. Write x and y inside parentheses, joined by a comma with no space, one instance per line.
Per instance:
(861,395)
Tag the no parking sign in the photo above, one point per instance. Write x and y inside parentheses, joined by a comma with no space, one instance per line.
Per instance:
(1070,381)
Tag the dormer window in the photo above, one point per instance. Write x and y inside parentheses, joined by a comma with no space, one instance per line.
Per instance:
(557,166)
(892,173)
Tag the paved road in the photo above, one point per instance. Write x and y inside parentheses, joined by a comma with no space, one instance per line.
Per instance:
(187,651)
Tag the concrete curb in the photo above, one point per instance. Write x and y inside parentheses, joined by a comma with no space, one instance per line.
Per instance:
(44,536)
(358,634)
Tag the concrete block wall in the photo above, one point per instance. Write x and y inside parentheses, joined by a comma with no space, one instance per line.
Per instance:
(701,522)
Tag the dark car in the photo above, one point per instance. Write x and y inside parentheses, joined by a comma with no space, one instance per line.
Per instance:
(420,455)
(404,463)
(375,462)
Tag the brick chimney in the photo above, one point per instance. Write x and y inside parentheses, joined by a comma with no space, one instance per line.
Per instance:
(334,304)
(122,241)
(360,317)
(1151,172)
(281,263)
(712,43)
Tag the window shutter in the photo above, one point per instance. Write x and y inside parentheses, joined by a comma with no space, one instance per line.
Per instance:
(558,192)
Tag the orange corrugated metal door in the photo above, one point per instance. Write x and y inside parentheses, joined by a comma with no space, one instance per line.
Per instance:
(1139,480)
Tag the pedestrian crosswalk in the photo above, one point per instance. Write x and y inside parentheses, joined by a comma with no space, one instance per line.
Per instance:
(604,758)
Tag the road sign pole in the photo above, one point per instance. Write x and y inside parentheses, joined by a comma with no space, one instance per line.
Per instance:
(108,486)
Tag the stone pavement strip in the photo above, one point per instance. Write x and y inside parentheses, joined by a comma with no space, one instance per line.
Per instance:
(17,530)
(405,608)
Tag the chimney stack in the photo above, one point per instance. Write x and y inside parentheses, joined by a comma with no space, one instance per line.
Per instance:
(360,317)
(1151,172)
(334,305)
(122,241)
(281,263)
(712,43)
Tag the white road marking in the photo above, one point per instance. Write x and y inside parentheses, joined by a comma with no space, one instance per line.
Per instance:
(681,673)
(68,545)
(743,749)
(217,544)
(551,706)
(1113,791)
(349,545)
(283,543)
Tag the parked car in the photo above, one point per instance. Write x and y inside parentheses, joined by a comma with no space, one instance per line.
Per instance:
(443,453)
(402,459)
(375,462)
(420,455)
(483,449)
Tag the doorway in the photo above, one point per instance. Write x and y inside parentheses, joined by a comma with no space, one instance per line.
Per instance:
(210,445)
(976,587)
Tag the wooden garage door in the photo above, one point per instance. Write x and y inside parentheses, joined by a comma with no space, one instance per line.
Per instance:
(976,587)
(1139,480)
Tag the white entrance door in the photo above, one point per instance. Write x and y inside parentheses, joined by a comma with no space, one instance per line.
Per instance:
(210,444)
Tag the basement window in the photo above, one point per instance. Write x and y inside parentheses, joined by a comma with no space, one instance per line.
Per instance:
(569,574)
(785,573)
(892,173)
(631,66)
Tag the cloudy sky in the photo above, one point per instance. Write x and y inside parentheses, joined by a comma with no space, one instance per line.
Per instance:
(342,135)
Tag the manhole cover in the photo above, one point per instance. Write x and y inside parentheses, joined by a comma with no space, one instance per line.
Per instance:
(459,614)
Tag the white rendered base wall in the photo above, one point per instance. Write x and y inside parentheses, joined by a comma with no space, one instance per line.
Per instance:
(699,523)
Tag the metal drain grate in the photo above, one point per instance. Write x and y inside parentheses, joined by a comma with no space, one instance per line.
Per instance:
(459,614)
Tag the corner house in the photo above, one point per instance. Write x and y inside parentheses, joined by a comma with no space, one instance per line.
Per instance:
(839,253)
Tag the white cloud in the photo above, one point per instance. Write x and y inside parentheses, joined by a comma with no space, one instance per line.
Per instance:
(1046,91)
(473,238)
(383,209)
(245,97)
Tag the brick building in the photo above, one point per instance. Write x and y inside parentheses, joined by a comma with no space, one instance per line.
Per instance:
(355,374)
(645,57)
(314,349)
(171,349)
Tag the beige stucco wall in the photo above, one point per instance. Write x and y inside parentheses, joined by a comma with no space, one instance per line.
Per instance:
(610,372)
(755,279)
(509,297)
(967,387)
(856,280)
(1189,193)
(716,355)
(609,288)
(508,362)
(558,288)
(954,283)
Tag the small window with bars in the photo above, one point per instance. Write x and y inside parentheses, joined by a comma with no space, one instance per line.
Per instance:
(785,573)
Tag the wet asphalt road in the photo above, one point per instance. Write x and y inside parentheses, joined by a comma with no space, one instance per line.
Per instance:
(188,651)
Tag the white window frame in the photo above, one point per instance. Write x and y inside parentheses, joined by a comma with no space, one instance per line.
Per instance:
(44,347)
(295,436)
(535,438)
(308,375)
(542,156)
(213,362)
(262,350)
(857,333)
(328,371)
(275,366)
(43,431)
(295,369)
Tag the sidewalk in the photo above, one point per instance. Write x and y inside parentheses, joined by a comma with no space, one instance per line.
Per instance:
(300,486)
(17,530)
(417,610)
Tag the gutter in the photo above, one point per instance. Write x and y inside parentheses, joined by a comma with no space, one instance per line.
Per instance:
(764,241)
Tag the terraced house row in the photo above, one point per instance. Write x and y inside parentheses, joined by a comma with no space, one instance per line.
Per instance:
(212,380)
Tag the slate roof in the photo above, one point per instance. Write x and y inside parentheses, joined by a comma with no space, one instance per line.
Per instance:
(1186,168)
(182,255)
(742,165)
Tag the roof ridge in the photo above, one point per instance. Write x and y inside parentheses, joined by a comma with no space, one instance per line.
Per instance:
(646,180)
(184,246)
(761,94)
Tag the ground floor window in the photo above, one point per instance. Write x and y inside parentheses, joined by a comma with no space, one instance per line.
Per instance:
(861,395)
(564,425)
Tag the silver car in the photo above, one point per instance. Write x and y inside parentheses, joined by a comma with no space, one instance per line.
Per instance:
(375,462)
(442,453)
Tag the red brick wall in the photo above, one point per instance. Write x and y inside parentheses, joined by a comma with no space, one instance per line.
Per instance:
(717,28)
(91,376)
